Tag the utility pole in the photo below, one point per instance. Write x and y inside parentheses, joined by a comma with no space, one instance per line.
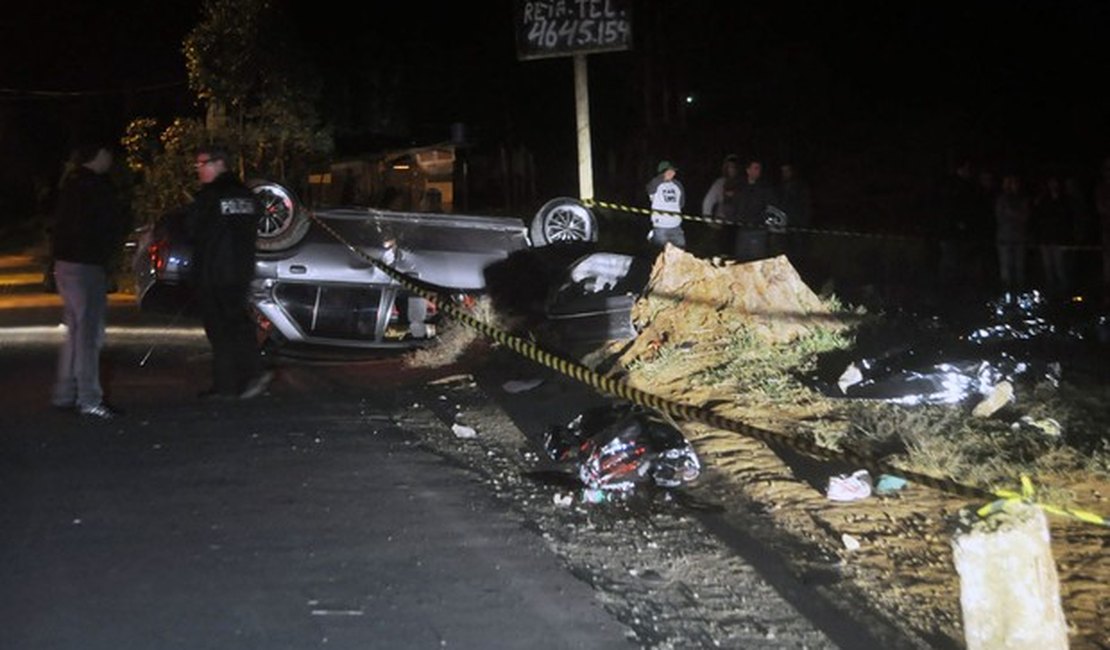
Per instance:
(582,115)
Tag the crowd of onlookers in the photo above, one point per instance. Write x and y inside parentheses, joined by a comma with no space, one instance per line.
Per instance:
(1019,231)
(986,228)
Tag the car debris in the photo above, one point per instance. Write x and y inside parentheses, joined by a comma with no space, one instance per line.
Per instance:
(619,448)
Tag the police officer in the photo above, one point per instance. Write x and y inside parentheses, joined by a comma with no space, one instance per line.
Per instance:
(222,222)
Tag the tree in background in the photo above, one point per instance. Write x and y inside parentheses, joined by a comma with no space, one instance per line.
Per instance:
(258,99)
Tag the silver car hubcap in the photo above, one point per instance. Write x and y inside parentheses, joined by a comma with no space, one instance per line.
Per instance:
(566,224)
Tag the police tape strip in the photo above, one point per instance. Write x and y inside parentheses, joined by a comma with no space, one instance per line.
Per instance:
(1027,495)
(617,207)
(691,412)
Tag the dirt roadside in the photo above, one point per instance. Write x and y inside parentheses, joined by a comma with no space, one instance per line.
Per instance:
(670,569)
(895,549)
(886,561)
(690,569)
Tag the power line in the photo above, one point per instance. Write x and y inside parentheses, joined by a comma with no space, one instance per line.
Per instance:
(19,94)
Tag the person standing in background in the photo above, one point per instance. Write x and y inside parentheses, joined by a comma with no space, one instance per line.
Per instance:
(957,211)
(720,200)
(1052,229)
(90,225)
(792,196)
(1011,214)
(751,235)
(667,198)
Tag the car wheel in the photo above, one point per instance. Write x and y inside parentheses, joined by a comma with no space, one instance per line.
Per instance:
(563,220)
(284,220)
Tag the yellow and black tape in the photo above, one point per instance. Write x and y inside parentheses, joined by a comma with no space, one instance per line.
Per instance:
(695,413)
(830,232)
(617,207)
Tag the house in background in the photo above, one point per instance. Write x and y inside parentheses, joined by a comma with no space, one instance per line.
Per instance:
(418,179)
(450,177)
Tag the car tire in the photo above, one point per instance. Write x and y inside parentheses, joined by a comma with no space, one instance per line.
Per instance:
(563,220)
(284,220)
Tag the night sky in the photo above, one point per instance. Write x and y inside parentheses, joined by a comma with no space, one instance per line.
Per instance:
(1001,80)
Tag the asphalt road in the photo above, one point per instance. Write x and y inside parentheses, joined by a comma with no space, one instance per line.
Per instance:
(339,510)
(308,517)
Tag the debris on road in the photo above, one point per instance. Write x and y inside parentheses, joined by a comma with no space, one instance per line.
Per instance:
(620,447)
(521,385)
(461,431)
(889,484)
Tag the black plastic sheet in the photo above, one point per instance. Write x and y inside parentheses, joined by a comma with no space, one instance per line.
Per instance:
(964,357)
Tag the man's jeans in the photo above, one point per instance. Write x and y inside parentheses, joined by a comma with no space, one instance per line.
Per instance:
(662,236)
(84,292)
(751,244)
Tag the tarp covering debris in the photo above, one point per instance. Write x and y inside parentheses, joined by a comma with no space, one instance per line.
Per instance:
(1017,336)
(621,447)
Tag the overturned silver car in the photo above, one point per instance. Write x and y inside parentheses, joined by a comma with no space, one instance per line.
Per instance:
(310,288)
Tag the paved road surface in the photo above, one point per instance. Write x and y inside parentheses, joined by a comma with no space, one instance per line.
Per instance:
(307,518)
(326,514)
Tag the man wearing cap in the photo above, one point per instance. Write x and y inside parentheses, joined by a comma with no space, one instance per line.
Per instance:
(667,197)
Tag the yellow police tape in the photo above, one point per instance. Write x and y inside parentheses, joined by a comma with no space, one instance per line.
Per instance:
(691,412)
(617,207)
(1027,496)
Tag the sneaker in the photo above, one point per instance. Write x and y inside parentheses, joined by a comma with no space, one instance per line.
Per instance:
(258,385)
(850,488)
(99,411)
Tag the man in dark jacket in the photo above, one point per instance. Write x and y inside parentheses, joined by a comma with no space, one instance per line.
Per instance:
(755,195)
(222,223)
(89,228)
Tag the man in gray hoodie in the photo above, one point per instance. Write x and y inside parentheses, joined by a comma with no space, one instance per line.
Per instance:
(667,198)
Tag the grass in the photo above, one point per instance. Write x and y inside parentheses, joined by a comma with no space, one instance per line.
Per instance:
(944,441)
(747,364)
